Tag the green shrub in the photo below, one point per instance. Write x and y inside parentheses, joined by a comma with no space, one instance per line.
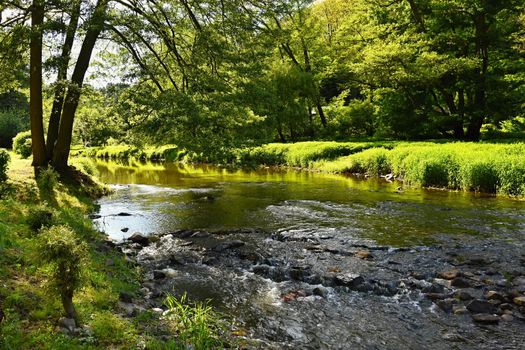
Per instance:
(40,217)
(22,144)
(66,257)
(197,325)
(4,162)
(12,121)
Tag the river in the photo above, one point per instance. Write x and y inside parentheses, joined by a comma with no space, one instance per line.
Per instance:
(315,261)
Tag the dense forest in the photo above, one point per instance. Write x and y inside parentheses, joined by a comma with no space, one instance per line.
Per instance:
(214,75)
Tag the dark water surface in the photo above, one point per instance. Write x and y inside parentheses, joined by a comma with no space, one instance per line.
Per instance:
(305,229)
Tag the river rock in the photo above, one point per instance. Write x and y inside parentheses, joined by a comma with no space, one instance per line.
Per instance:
(493,295)
(485,319)
(459,310)
(351,280)
(507,318)
(460,282)
(68,323)
(464,295)
(435,296)
(520,301)
(139,239)
(519,281)
(124,214)
(127,308)
(449,275)
(125,229)
(228,245)
(159,274)
(363,254)
(446,305)
(479,306)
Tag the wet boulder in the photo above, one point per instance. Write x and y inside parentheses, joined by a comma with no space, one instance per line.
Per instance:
(479,306)
(485,319)
(350,280)
(228,245)
(139,239)
(449,275)
(460,282)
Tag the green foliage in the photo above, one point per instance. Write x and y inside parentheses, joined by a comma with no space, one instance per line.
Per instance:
(66,255)
(196,325)
(12,121)
(22,144)
(492,168)
(40,217)
(4,162)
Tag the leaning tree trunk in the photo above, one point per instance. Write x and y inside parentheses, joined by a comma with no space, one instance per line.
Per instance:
(35,99)
(63,144)
(60,89)
(69,307)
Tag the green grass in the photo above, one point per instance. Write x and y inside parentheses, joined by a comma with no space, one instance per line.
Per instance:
(31,309)
(481,167)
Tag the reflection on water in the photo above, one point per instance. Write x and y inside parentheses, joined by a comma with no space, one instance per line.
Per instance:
(166,197)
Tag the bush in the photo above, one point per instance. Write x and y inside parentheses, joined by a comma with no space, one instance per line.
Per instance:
(22,144)
(4,162)
(12,121)
(66,256)
(40,217)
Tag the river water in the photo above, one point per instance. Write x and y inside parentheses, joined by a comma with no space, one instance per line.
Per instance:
(290,222)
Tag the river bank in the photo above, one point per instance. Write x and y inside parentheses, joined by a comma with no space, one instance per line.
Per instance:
(497,168)
(31,314)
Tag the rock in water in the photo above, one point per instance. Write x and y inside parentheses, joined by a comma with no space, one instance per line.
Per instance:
(479,306)
(485,318)
(519,301)
(449,275)
(351,280)
(140,239)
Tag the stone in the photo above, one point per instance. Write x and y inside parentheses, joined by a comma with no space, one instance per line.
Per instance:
(94,216)
(127,308)
(485,319)
(520,301)
(67,323)
(479,306)
(320,291)
(139,239)
(433,288)
(349,280)
(125,229)
(364,254)
(459,310)
(228,245)
(446,305)
(519,281)
(493,295)
(435,296)
(507,318)
(460,282)
(124,214)
(449,275)
(159,274)
(464,296)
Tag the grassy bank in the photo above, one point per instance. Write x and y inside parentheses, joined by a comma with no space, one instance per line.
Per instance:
(30,309)
(482,167)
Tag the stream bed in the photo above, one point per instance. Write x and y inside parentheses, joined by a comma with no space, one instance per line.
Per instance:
(313,261)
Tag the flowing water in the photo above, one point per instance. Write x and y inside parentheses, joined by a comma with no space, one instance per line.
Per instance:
(290,222)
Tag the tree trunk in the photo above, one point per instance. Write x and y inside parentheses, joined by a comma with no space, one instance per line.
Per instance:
(480,94)
(69,307)
(60,89)
(63,144)
(35,103)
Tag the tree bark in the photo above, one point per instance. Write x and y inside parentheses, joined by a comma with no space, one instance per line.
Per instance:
(60,89)
(35,103)
(63,144)
(69,307)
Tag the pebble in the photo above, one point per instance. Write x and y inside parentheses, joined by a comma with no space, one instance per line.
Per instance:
(519,301)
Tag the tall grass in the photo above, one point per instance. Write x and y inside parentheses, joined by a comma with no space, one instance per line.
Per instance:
(482,167)
(197,326)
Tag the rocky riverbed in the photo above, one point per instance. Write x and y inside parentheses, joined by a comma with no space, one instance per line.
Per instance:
(307,289)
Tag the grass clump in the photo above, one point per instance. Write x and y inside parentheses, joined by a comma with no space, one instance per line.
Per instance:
(197,325)
(111,330)
(22,144)
(40,217)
